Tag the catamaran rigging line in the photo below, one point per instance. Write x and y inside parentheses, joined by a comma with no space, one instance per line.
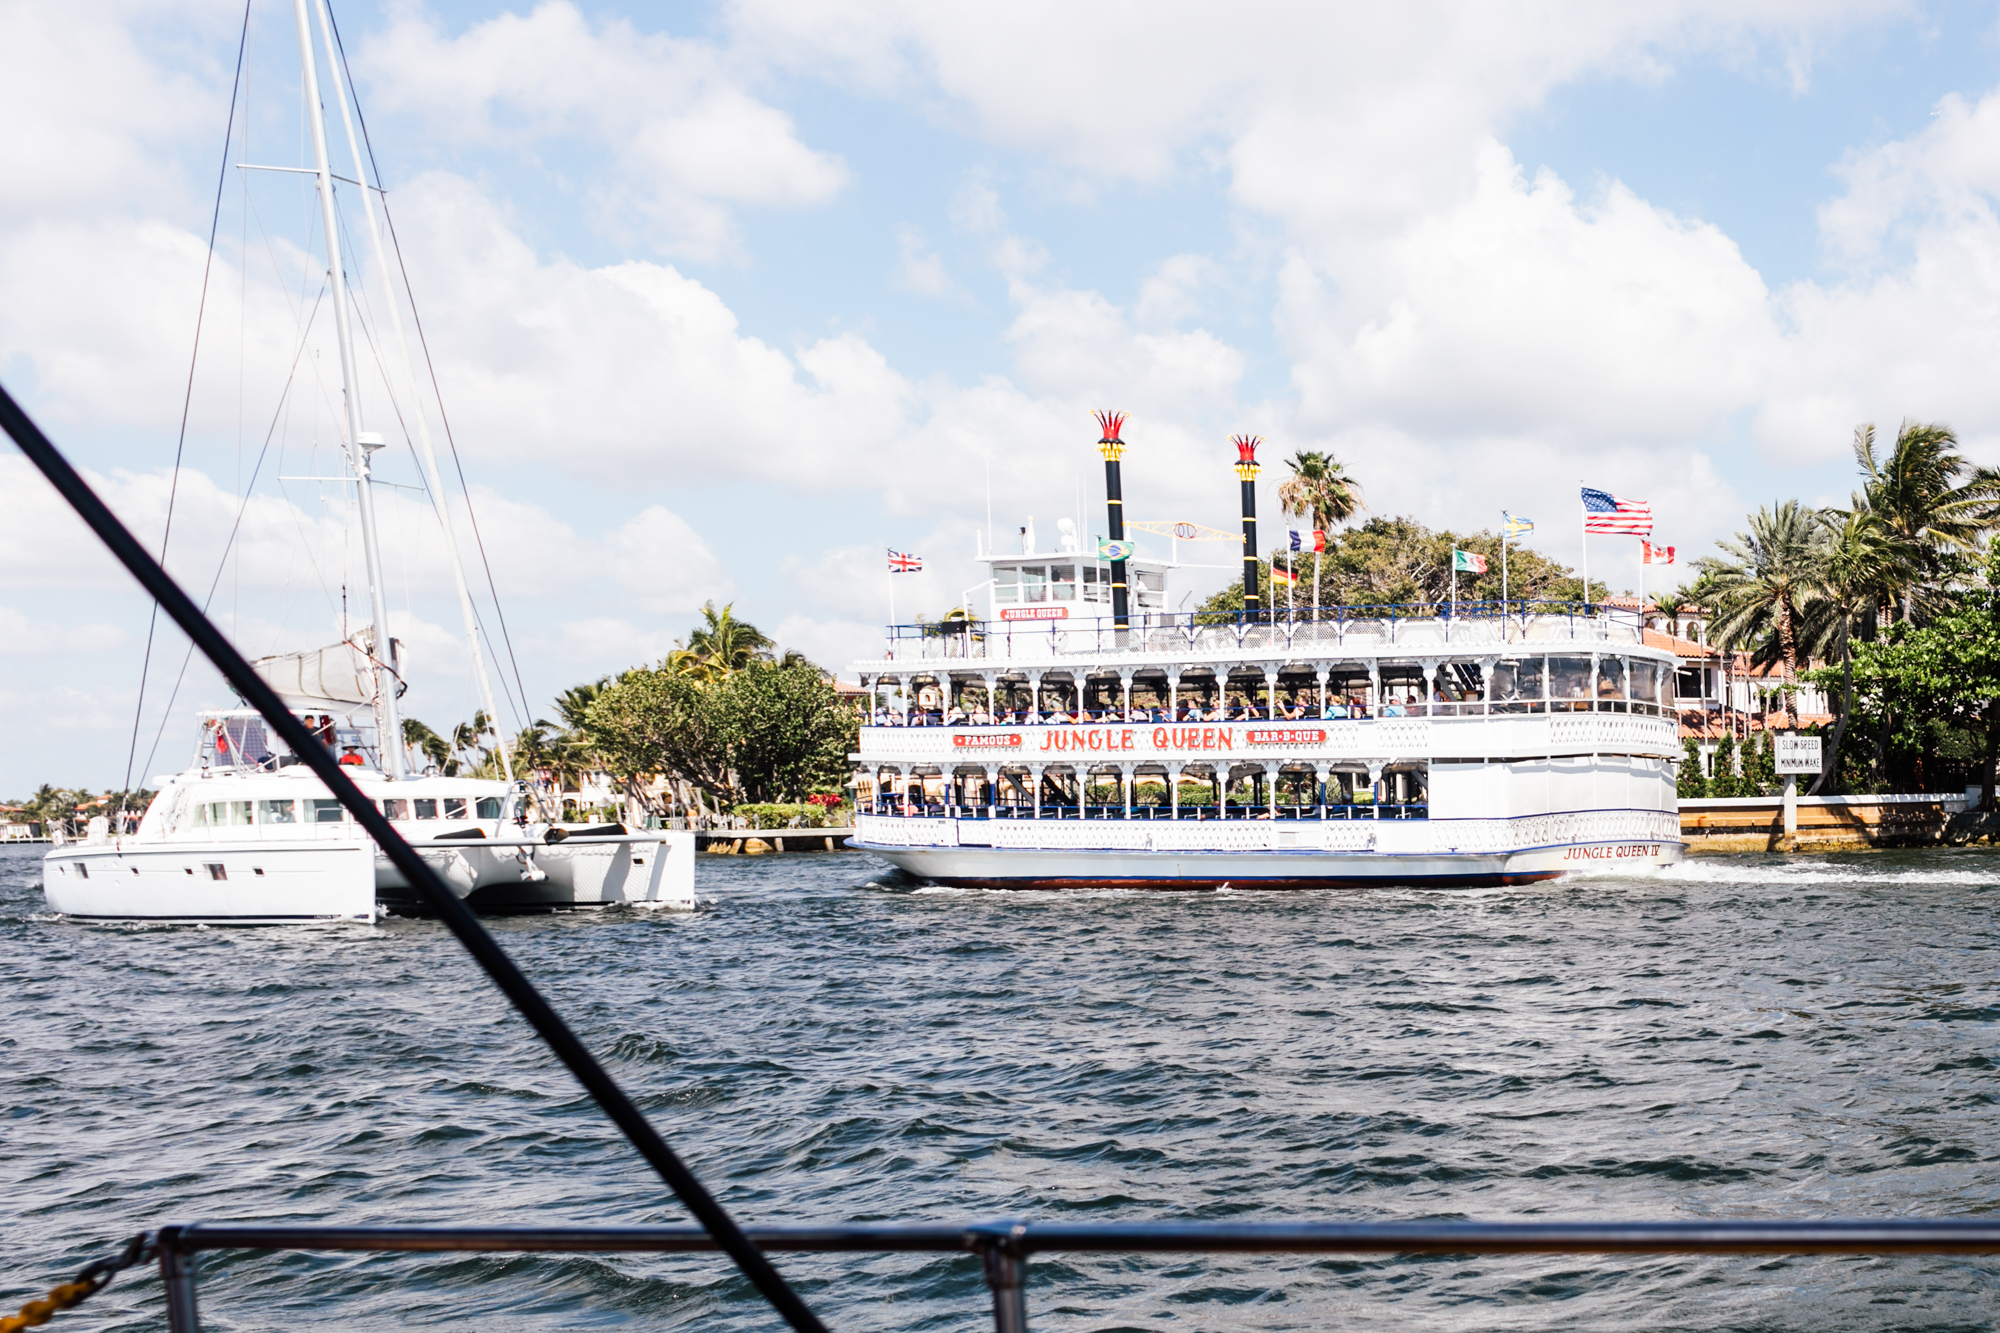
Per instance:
(359,444)
(423,880)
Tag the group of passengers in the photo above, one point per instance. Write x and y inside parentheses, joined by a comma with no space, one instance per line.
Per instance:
(1298,706)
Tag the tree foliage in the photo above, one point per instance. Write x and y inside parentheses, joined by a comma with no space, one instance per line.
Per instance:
(1399,561)
(769,731)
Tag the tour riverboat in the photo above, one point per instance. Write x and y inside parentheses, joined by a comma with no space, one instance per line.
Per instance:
(1482,744)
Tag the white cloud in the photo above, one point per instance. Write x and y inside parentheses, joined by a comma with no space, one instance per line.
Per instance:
(918,267)
(605,370)
(689,139)
(21,636)
(1324,114)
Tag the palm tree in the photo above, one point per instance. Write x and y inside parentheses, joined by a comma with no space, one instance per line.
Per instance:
(465,737)
(1671,606)
(1765,582)
(1320,487)
(720,645)
(1862,563)
(1922,506)
(430,745)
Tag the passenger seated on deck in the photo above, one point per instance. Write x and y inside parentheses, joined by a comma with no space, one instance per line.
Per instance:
(1395,708)
(954,716)
(1334,707)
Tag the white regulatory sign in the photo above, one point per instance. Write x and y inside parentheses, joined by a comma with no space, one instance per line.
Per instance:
(1797,754)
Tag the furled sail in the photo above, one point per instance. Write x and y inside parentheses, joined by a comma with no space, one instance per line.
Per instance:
(332,677)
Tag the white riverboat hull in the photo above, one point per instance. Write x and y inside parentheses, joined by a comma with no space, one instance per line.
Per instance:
(1300,854)
(244,883)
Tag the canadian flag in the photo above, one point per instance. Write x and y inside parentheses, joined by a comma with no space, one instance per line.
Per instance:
(1657,555)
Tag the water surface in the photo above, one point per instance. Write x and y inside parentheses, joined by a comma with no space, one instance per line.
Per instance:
(824,1041)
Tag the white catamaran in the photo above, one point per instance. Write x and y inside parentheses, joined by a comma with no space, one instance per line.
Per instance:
(246,834)
(1057,745)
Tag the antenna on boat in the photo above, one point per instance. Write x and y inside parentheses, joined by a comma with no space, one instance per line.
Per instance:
(424,449)
(361,444)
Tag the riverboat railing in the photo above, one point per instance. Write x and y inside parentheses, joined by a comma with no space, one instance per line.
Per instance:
(1041,630)
(1004,1248)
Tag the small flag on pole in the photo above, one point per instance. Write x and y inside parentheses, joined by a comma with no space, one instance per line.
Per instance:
(1517,527)
(1468,562)
(1656,555)
(901,563)
(1114,551)
(1314,541)
(1279,574)
(1605,512)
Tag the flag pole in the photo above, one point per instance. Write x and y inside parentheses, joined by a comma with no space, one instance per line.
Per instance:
(1506,525)
(1583,518)
(892,602)
(1643,543)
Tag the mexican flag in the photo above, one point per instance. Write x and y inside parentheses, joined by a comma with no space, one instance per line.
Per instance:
(1468,562)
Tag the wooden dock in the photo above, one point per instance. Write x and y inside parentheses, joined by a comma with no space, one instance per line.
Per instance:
(1826,823)
(767,842)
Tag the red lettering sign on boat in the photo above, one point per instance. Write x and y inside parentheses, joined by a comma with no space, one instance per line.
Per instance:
(1006,741)
(1285,736)
(1034,613)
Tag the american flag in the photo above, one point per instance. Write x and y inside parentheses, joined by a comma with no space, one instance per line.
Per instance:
(1605,512)
(901,563)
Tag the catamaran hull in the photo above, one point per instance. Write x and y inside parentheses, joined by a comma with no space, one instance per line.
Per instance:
(643,870)
(1064,868)
(249,883)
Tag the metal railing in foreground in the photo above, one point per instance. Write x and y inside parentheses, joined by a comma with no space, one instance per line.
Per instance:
(1004,1248)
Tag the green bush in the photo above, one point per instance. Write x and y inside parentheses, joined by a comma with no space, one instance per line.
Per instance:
(773,816)
(1690,783)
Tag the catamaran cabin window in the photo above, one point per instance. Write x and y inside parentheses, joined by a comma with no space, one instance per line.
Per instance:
(396,809)
(487,807)
(454,807)
(325,810)
(223,814)
(426,808)
(277,812)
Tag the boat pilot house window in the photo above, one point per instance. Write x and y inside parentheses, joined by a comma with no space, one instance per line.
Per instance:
(1518,686)
(454,807)
(395,809)
(1570,683)
(277,812)
(426,808)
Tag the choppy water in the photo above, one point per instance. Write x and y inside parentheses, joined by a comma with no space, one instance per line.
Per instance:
(1741,1037)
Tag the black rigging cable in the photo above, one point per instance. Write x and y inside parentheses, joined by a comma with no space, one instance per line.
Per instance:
(457,917)
(187,403)
(416,318)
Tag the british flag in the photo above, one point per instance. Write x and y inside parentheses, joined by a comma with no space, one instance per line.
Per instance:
(902,563)
(1605,512)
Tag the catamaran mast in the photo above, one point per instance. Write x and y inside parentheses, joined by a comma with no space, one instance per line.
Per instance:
(361,444)
(424,449)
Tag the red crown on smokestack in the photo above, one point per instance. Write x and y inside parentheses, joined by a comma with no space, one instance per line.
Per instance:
(1246,455)
(1110,423)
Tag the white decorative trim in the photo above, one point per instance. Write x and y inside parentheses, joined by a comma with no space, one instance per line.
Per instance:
(1410,837)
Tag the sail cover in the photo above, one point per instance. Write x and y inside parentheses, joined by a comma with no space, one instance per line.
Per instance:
(328,677)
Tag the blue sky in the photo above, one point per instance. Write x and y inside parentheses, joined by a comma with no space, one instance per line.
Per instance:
(726,298)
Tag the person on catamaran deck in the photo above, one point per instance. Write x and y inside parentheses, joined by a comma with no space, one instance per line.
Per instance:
(351,758)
